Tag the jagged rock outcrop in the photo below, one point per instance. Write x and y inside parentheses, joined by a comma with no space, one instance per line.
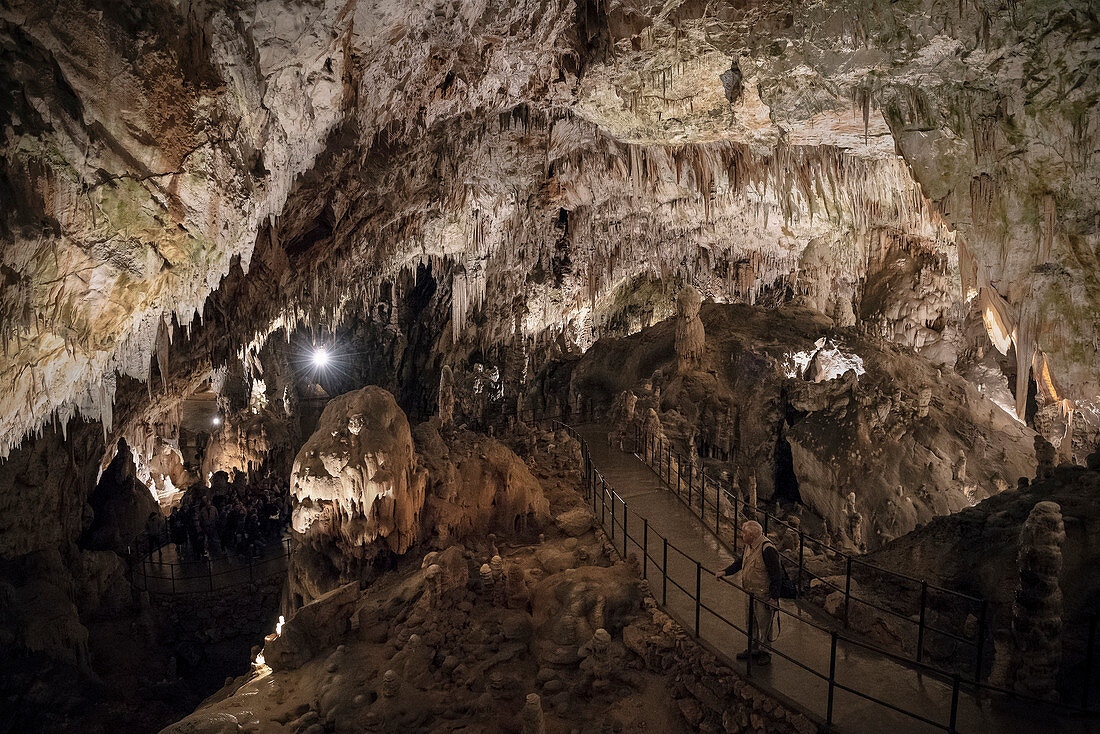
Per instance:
(942,552)
(121,507)
(477,485)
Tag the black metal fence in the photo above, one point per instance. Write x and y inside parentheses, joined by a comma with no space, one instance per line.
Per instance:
(696,489)
(154,574)
(619,523)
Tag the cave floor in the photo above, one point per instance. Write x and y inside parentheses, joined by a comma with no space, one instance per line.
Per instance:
(898,685)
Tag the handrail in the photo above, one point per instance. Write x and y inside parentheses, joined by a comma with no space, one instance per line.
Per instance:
(147,567)
(654,450)
(593,478)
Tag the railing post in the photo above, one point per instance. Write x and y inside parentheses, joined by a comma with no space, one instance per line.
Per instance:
(698,593)
(664,575)
(717,508)
(954,704)
(748,646)
(920,623)
(626,535)
(679,473)
(832,680)
(645,548)
(612,517)
(703,497)
(847,589)
(691,486)
(766,516)
(603,505)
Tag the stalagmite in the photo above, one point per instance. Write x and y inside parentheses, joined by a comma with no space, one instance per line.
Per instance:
(446,398)
(924,400)
(855,521)
(391,684)
(533,721)
(690,339)
(1037,612)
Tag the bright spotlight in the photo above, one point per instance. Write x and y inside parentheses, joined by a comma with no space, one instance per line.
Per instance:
(216,421)
(320,357)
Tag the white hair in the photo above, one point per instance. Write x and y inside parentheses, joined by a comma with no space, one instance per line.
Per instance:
(753,525)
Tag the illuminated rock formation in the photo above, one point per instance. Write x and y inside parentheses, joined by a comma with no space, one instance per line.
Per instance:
(367,486)
(357,490)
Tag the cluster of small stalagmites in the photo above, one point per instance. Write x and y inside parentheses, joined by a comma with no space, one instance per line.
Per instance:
(1035,654)
(462,626)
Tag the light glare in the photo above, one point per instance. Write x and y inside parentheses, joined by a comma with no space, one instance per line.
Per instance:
(216,421)
(320,357)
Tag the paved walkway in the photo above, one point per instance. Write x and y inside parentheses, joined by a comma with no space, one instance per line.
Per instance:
(647,498)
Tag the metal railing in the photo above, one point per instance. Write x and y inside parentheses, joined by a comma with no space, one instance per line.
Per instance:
(606,501)
(692,488)
(208,574)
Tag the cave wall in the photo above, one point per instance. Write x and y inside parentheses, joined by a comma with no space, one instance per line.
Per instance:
(849,406)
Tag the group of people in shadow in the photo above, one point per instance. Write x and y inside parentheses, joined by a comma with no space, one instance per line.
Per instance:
(235,517)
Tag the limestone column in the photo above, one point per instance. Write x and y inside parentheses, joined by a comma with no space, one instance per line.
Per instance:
(690,338)
(1037,611)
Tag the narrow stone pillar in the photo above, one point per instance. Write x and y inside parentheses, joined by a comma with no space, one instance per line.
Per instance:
(690,341)
(446,397)
(533,720)
(390,684)
(1037,611)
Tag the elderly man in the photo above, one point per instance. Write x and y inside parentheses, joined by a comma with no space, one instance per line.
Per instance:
(762,575)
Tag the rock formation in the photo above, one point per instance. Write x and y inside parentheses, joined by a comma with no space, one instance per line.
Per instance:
(366,487)
(888,208)
(357,489)
(446,398)
(859,426)
(1037,612)
(1019,532)
(690,339)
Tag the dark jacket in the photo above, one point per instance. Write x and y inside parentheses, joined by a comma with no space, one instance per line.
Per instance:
(771,563)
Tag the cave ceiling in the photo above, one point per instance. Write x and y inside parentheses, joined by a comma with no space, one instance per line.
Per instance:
(544,157)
